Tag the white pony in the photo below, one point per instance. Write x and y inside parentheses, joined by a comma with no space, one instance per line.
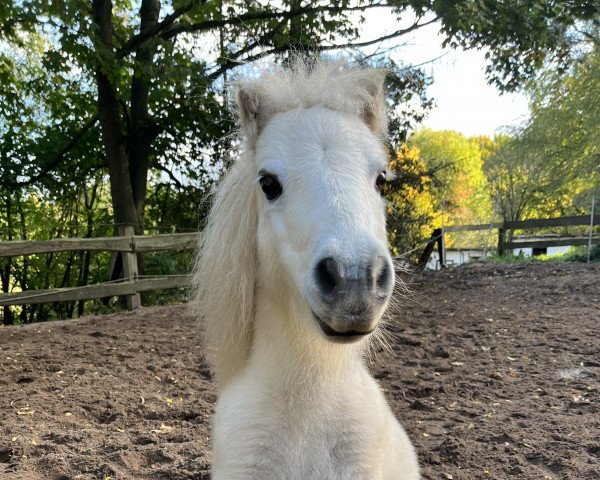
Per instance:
(292,277)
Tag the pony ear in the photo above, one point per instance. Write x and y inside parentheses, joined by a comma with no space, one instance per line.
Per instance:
(249,109)
(374,111)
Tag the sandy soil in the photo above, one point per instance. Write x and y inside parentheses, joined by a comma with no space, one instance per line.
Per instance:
(494,371)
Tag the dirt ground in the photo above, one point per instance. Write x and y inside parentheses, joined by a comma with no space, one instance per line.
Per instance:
(494,372)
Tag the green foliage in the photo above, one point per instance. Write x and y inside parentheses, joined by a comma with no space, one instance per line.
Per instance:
(437,181)
(167,263)
(411,213)
(408,103)
(576,254)
(82,213)
(459,187)
(186,102)
(85,212)
(580,254)
(520,35)
(551,166)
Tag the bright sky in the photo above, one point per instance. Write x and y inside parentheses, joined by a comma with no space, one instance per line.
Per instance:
(464,101)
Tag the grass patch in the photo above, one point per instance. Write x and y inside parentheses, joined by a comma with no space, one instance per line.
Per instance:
(576,254)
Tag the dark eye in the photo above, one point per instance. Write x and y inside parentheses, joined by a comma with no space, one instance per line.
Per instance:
(380,182)
(270,186)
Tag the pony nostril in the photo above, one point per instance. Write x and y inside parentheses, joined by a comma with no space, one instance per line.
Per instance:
(384,277)
(369,274)
(328,275)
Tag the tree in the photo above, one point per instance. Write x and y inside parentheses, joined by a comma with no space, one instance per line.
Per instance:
(551,165)
(438,180)
(154,88)
(152,93)
(411,213)
(519,178)
(565,122)
(456,167)
(521,36)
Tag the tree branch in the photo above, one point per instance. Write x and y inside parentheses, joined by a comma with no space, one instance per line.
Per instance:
(397,33)
(263,15)
(135,41)
(260,41)
(169,173)
(59,156)
(283,48)
(168,31)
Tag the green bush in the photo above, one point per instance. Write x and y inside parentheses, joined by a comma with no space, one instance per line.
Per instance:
(580,254)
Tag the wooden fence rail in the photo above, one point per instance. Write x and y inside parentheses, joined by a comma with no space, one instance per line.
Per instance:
(128,244)
(577,220)
(504,227)
(90,292)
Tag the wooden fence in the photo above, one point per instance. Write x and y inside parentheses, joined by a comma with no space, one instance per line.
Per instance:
(128,244)
(540,242)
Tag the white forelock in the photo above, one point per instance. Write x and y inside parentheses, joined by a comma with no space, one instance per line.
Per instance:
(333,84)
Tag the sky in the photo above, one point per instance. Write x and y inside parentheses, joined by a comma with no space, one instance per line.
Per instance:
(464,101)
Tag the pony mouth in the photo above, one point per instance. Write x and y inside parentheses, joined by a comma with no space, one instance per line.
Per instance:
(347,335)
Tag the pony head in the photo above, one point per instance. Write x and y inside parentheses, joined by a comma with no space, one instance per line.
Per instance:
(299,219)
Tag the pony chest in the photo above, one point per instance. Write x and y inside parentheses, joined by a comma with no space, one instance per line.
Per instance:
(275,438)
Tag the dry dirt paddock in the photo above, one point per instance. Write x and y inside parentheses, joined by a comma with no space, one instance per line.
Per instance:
(494,371)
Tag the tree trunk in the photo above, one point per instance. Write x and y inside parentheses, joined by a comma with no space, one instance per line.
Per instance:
(142,132)
(125,212)
(84,272)
(65,309)
(127,167)
(25,268)
(6,266)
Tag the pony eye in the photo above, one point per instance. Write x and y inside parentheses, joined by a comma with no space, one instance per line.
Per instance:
(380,182)
(270,186)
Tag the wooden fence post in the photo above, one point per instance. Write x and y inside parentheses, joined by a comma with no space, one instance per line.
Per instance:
(501,241)
(130,268)
(589,252)
(422,263)
(442,248)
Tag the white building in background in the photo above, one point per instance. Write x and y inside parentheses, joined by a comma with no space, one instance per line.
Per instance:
(528,251)
(455,257)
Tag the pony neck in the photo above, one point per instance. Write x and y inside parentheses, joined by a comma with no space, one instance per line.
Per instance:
(288,345)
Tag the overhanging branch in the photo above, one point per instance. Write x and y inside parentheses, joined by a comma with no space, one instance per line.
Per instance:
(397,33)
(135,41)
(59,155)
(168,29)
(234,61)
(169,173)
